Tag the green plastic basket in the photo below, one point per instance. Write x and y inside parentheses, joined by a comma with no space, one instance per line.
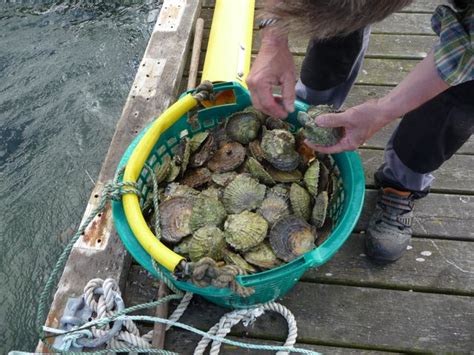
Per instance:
(271,284)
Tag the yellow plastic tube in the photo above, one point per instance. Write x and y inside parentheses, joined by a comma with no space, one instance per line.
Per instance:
(230,42)
(131,204)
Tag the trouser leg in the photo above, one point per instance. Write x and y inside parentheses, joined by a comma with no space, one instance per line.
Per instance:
(426,138)
(330,68)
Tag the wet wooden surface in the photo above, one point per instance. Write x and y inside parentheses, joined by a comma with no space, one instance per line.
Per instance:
(422,303)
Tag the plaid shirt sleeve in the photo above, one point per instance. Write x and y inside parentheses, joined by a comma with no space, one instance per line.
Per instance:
(453,52)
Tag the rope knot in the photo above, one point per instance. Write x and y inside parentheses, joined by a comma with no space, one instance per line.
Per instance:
(204,92)
(115,190)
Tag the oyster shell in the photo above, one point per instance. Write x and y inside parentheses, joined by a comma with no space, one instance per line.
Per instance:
(243,193)
(273,208)
(258,171)
(207,241)
(204,152)
(175,217)
(318,215)
(278,148)
(232,258)
(243,126)
(245,230)
(319,135)
(263,256)
(207,212)
(197,177)
(223,179)
(306,153)
(291,237)
(284,176)
(259,114)
(300,201)
(311,177)
(227,158)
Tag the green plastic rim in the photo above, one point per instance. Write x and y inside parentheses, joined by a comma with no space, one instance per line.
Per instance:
(270,284)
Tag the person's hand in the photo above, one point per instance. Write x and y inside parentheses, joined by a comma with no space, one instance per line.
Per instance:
(359,123)
(274,66)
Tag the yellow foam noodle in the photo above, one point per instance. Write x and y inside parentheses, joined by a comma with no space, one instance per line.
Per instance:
(131,204)
(230,42)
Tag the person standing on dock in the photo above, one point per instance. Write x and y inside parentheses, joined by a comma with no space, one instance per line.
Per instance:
(435,100)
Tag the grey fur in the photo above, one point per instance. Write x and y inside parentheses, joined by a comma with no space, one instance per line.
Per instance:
(323,19)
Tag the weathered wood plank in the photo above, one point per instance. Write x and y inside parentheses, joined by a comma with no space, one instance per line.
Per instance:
(100,253)
(360,317)
(455,175)
(184,342)
(418,5)
(429,265)
(436,215)
(401,23)
(380,45)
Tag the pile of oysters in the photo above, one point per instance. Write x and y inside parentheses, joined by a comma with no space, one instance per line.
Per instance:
(247,192)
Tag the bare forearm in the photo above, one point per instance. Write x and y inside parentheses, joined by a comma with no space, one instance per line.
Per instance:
(419,86)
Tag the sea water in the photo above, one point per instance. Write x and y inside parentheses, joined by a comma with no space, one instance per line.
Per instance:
(66,68)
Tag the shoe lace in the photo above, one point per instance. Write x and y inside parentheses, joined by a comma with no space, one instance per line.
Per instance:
(395,210)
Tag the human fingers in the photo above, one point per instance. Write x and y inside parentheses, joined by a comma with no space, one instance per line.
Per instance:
(343,145)
(288,92)
(268,103)
(331,120)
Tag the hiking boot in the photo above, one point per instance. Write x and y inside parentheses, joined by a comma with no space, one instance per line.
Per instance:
(389,231)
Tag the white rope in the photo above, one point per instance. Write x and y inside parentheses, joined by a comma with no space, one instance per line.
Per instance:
(247,316)
(104,306)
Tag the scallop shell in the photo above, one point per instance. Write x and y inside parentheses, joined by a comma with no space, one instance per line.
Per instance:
(173,172)
(319,135)
(245,230)
(279,190)
(207,241)
(256,151)
(197,140)
(284,176)
(273,208)
(223,179)
(291,237)
(227,158)
(197,177)
(162,170)
(306,153)
(177,190)
(263,256)
(278,148)
(204,152)
(258,171)
(175,217)
(324,232)
(183,246)
(300,201)
(276,123)
(243,193)
(207,212)
(211,192)
(182,155)
(318,215)
(259,114)
(232,258)
(220,135)
(323,182)
(243,127)
(311,178)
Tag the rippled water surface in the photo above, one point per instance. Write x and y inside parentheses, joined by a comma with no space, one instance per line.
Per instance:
(65,71)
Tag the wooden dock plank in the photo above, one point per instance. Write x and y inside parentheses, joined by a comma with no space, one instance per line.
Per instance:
(360,317)
(455,175)
(437,215)
(439,266)
(100,253)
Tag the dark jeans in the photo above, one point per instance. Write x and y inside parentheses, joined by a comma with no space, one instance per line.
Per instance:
(426,136)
